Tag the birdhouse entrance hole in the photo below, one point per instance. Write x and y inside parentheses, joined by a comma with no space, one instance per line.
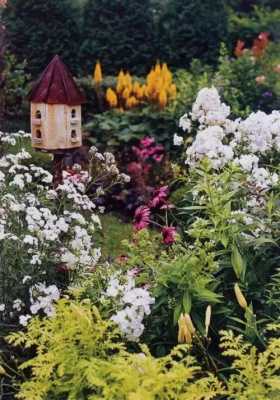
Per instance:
(38,134)
(74,137)
(38,114)
(73,113)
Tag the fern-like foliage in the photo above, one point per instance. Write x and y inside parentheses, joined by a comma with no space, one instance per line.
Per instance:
(79,356)
(256,375)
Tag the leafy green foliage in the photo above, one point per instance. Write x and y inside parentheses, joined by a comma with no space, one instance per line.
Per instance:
(38,30)
(237,82)
(119,33)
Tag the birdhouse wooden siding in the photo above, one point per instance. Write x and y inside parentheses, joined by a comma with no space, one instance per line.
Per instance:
(56,122)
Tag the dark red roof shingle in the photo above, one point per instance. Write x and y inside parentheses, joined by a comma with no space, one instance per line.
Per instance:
(56,86)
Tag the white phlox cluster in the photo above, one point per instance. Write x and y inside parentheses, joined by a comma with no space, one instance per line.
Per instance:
(42,228)
(132,304)
(222,140)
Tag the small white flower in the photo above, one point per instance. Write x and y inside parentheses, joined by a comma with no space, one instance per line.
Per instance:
(178,140)
(23,319)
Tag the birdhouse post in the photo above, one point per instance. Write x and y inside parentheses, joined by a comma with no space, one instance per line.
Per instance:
(56,123)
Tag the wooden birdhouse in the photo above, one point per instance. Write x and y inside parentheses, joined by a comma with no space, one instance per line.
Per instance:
(56,100)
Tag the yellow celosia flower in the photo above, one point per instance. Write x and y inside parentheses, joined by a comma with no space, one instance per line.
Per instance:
(239,296)
(162,99)
(166,74)
(158,69)
(120,82)
(97,76)
(111,97)
(136,86)
(126,93)
(131,102)
(128,79)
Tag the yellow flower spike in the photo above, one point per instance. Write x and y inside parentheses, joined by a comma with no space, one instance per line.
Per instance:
(184,336)
(136,86)
(167,75)
(120,82)
(121,74)
(158,68)
(111,97)
(126,93)
(189,324)
(162,99)
(131,102)
(239,297)
(128,79)
(207,319)
(97,75)
(140,92)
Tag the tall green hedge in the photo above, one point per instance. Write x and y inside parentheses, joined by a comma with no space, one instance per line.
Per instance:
(38,29)
(192,29)
(119,33)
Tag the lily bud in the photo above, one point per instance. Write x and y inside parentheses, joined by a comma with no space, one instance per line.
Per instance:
(189,323)
(207,319)
(239,296)
(184,335)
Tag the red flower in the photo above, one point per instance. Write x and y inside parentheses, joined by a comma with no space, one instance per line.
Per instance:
(169,234)
(147,141)
(141,218)
(134,168)
(160,196)
(239,48)
(260,44)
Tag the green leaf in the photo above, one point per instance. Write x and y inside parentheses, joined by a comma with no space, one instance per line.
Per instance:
(177,312)
(187,302)
(238,262)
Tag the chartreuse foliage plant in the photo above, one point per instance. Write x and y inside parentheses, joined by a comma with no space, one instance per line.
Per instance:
(80,356)
(255,375)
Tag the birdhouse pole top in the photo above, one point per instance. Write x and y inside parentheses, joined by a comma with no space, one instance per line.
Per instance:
(56,86)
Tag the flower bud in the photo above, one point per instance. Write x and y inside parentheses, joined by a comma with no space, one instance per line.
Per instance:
(184,335)
(207,319)
(189,324)
(239,296)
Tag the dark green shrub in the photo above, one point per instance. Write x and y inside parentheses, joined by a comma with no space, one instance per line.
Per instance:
(192,29)
(37,30)
(119,33)
(247,6)
(248,26)
(14,87)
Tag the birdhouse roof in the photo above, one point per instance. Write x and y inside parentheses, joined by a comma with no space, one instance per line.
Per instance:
(56,86)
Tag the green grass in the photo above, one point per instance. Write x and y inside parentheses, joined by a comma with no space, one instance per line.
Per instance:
(113,232)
